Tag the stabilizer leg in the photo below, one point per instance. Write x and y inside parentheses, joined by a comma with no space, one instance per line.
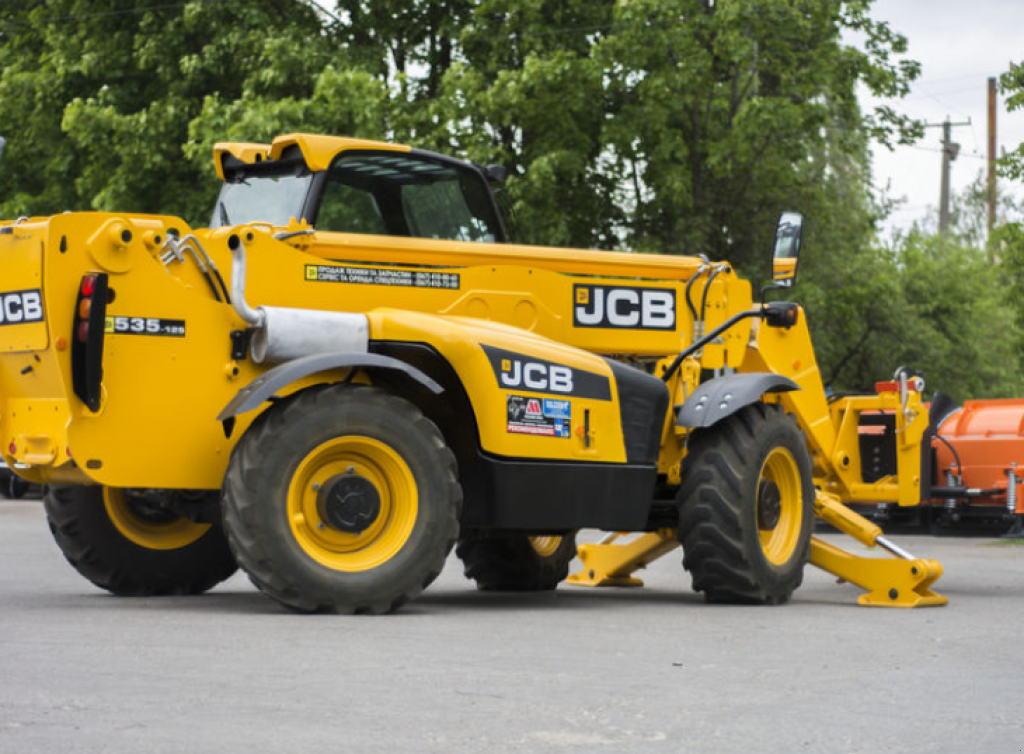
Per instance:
(610,564)
(890,582)
(900,581)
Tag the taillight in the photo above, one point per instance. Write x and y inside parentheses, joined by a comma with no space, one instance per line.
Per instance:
(87,342)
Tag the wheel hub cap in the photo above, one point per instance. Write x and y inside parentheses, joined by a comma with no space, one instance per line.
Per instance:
(769,505)
(348,503)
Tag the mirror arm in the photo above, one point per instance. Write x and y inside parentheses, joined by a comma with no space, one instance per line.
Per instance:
(770,287)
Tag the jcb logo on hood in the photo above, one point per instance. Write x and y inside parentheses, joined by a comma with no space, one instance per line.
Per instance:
(534,375)
(517,371)
(624,307)
(19,307)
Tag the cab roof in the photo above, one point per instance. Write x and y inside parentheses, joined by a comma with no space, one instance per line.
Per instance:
(318,151)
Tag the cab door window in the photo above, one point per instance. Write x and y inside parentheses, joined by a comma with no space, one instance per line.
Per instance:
(399,194)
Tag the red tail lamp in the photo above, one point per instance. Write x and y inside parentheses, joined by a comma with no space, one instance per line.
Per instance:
(87,345)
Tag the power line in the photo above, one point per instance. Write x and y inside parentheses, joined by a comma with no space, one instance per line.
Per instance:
(975,154)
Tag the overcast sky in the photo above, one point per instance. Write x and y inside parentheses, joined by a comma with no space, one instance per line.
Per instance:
(959,45)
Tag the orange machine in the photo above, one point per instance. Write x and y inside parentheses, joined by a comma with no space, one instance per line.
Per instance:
(976,470)
(979,452)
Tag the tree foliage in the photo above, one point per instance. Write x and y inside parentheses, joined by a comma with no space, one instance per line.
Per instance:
(677,126)
(1011,83)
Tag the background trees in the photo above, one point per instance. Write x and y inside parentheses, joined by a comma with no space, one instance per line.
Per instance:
(672,126)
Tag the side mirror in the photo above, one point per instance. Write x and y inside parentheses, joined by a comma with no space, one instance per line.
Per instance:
(787,249)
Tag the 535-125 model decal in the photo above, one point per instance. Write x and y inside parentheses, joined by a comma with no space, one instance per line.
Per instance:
(174,328)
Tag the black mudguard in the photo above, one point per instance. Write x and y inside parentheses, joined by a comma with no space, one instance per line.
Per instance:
(724,396)
(263,387)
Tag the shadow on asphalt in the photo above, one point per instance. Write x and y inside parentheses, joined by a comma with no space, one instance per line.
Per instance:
(245,602)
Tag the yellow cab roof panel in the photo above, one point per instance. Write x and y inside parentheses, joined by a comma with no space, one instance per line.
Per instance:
(318,151)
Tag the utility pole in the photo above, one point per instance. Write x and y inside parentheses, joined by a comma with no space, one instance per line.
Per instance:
(991,153)
(950,150)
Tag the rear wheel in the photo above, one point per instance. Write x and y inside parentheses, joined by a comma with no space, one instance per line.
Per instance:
(513,561)
(746,507)
(342,499)
(15,487)
(124,543)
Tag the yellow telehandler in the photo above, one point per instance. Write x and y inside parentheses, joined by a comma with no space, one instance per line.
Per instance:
(353,370)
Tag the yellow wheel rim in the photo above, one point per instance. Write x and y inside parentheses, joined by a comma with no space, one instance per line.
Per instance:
(779,506)
(545,546)
(154,532)
(381,466)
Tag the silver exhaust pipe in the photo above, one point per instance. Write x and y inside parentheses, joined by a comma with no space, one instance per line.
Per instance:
(283,334)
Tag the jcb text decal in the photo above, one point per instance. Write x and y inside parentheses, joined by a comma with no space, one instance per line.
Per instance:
(174,328)
(19,307)
(516,371)
(624,307)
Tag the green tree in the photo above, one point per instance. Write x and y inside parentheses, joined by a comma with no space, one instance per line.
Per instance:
(98,95)
(1011,83)
(945,304)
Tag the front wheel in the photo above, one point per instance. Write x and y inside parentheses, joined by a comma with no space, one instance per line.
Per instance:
(746,507)
(125,543)
(342,499)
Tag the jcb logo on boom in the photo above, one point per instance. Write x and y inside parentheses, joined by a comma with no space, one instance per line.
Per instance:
(19,307)
(624,307)
(532,375)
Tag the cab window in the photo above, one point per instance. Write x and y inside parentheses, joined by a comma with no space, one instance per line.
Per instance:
(399,194)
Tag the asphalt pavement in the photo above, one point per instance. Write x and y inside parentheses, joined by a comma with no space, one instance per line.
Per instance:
(577,670)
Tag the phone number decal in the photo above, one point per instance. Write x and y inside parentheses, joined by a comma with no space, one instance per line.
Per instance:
(172,328)
(323,273)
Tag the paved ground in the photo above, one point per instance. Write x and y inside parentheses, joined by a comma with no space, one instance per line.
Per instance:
(651,670)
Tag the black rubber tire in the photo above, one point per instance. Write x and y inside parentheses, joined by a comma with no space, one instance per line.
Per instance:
(17,487)
(95,547)
(256,500)
(509,562)
(718,517)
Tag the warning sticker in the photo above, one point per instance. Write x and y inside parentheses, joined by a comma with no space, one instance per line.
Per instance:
(329,273)
(539,416)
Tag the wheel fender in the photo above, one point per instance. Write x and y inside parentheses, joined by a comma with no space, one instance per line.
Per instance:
(263,387)
(721,397)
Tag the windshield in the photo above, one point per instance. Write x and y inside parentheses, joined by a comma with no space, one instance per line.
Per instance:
(273,196)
